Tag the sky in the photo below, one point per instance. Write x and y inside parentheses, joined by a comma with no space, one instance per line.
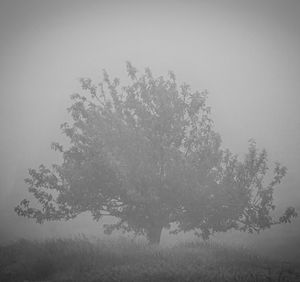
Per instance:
(245,53)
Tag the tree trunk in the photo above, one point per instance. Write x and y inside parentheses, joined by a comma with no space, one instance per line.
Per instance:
(154,234)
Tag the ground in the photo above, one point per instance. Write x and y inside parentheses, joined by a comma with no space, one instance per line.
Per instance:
(79,259)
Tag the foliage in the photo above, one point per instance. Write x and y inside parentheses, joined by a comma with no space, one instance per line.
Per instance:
(147,154)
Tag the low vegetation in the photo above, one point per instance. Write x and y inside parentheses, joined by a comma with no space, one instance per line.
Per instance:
(80,259)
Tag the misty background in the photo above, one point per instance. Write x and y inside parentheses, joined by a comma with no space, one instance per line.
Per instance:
(245,53)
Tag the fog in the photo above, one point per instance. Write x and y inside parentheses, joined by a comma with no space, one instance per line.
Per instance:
(245,53)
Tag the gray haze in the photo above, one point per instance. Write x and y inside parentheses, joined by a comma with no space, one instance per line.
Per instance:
(246,53)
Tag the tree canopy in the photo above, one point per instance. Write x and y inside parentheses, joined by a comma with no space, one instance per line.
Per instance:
(147,154)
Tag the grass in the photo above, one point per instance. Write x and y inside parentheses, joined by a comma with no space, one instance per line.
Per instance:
(80,259)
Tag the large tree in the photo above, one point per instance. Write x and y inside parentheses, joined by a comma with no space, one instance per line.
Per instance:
(147,154)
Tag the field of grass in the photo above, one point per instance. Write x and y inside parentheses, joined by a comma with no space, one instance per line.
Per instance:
(80,259)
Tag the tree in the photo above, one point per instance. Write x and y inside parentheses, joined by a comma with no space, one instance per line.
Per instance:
(147,154)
